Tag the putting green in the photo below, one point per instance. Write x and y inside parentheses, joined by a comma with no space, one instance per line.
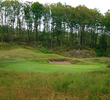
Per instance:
(49,68)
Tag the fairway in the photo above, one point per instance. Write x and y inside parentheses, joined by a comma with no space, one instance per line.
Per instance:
(26,66)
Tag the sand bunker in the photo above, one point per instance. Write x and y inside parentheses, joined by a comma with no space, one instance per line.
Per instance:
(60,62)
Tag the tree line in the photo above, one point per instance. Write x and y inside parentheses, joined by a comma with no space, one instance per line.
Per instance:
(54,25)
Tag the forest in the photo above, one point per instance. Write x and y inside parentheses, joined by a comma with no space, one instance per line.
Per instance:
(55,25)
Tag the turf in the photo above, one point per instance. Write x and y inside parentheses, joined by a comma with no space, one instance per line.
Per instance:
(27,66)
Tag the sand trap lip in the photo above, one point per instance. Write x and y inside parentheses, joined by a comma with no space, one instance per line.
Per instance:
(60,62)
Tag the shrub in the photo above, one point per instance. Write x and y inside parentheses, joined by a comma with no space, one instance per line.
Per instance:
(101,52)
(41,48)
(79,46)
(108,65)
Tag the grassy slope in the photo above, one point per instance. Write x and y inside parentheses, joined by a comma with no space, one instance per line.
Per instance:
(9,53)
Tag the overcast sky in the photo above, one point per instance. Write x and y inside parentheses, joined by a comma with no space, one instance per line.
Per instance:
(102,5)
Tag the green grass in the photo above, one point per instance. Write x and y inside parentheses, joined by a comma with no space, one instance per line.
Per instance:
(50,68)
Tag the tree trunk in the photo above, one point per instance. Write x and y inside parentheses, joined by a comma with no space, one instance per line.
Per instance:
(91,39)
(2,34)
(51,38)
(57,38)
(2,30)
(68,35)
(44,39)
(20,30)
(79,37)
(35,34)
(95,39)
(27,33)
(61,40)
(31,35)
(82,37)
(71,39)
(107,42)
(13,34)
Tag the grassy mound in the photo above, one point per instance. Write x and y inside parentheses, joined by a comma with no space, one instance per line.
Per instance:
(17,52)
(24,53)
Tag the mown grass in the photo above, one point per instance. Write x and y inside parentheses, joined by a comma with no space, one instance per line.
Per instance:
(53,86)
(50,68)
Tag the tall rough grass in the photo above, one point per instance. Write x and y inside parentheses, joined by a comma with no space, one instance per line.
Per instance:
(38,86)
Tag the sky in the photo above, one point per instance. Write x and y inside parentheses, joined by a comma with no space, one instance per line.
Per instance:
(102,5)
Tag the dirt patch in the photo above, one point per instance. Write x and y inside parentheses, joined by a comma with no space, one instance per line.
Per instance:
(60,62)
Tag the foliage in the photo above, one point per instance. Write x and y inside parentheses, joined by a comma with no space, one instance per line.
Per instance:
(79,47)
(71,82)
(44,50)
(108,65)
(101,52)
(37,10)
(108,52)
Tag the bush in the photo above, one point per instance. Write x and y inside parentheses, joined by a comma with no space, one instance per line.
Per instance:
(79,46)
(108,52)
(108,65)
(41,48)
(101,52)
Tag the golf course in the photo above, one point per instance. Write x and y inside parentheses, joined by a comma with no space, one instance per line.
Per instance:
(27,74)
(54,50)
(26,60)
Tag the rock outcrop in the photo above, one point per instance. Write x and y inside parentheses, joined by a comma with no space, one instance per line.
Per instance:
(80,54)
